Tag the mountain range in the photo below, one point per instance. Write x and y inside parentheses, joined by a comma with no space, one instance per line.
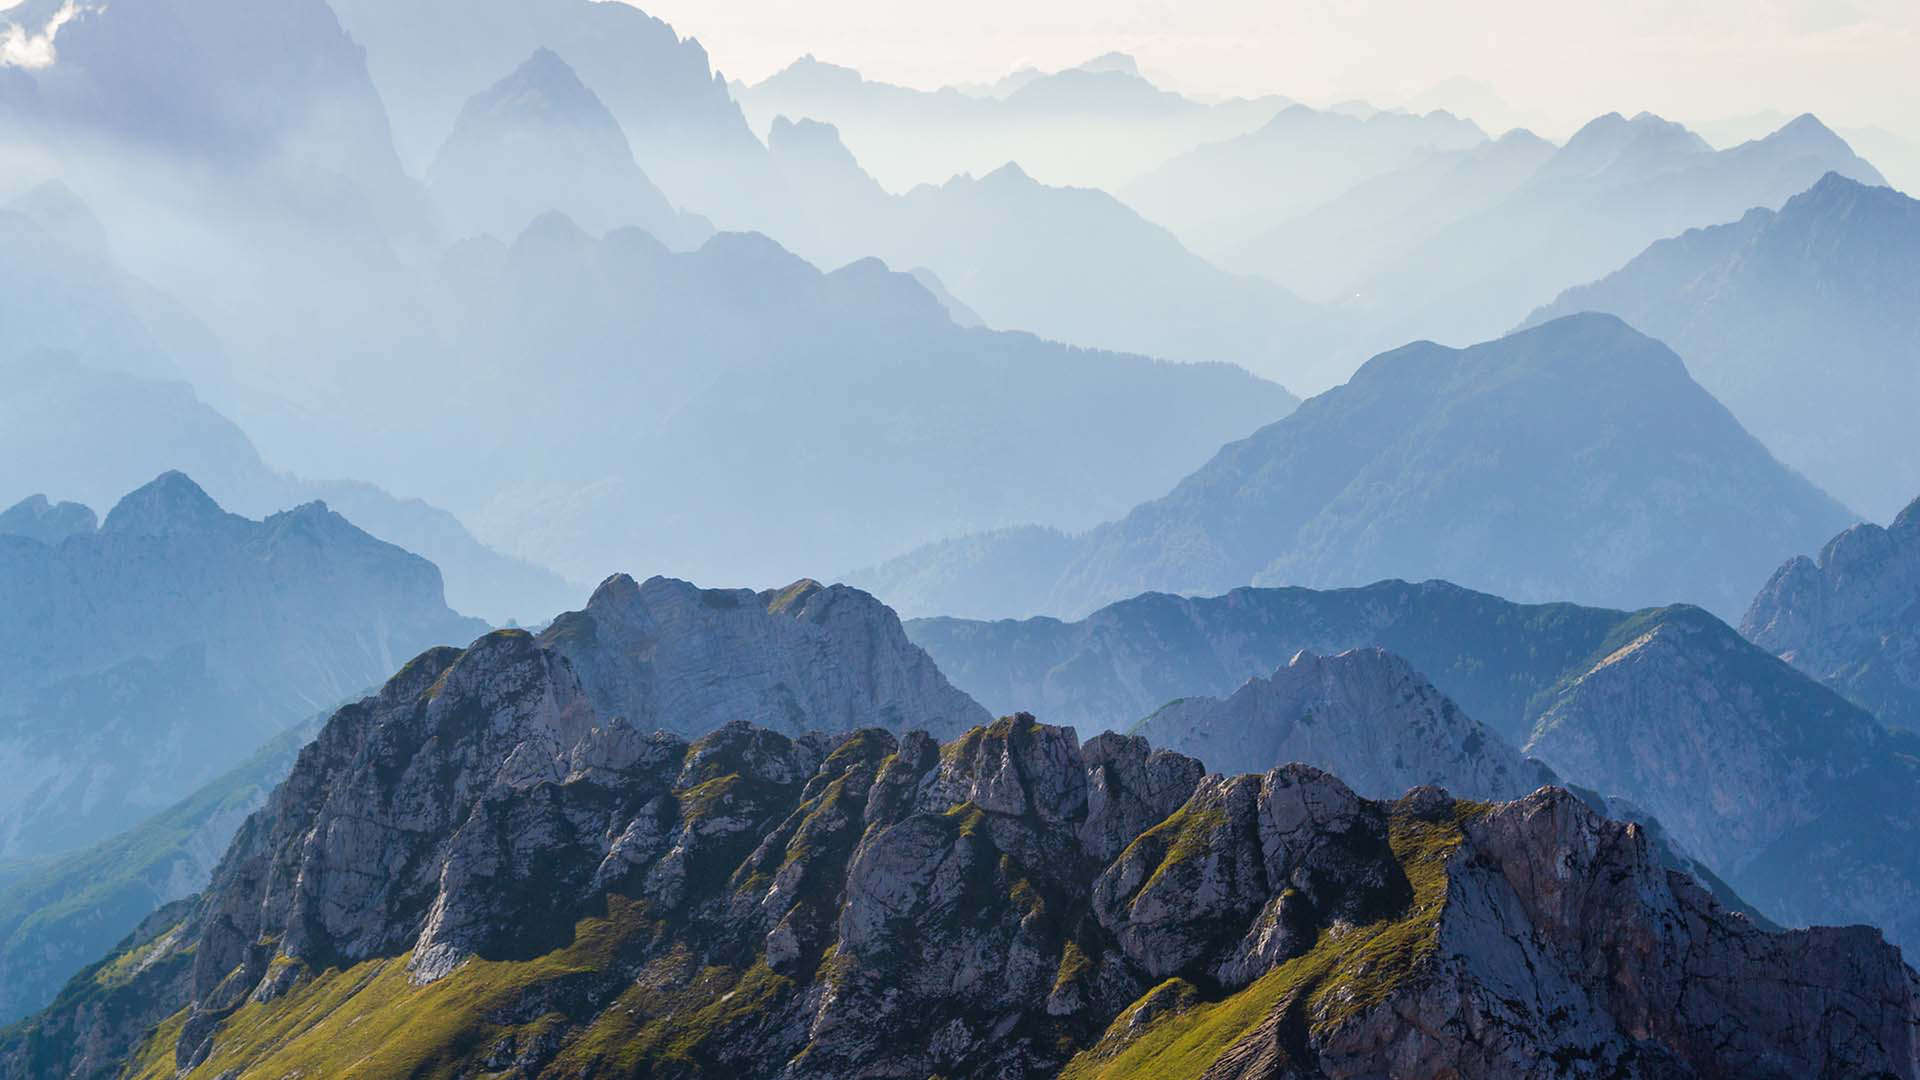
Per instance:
(1804,321)
(1776,784)
(684,401)
(1437,462)
(575,896)
(1851,618)
(428,58)
(51,432)
(539,141)
(1617,186)
(1097,124)
(1218,195)
(146,657)
(1072,264)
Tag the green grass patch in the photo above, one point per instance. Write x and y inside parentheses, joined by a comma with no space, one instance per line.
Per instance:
(1349,971)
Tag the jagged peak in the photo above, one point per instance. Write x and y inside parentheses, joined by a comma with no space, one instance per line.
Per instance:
(553,232)
(1907,522)
(169,503)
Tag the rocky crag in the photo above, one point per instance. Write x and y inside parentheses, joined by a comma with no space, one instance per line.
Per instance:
(1366,715)
(1777,784)
(663,653)
(1852,618)
(479,871)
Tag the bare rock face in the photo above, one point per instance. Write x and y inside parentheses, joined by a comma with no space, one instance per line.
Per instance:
(1365,715)
(479,870)
(1852,618)
(665,654)
(1787,790)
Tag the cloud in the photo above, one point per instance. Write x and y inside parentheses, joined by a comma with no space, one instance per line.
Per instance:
(19,48)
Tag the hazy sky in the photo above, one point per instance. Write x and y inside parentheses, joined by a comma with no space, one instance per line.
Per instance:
(1852,61)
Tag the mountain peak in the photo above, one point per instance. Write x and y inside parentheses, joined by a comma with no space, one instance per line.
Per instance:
(38,518)
(170,503)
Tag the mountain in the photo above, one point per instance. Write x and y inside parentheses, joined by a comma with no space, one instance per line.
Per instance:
(429,57)
(665,655)
(146,658)
(1098,124)
(1617,186)
(52,437)
(576,897)
(660,654)
(1833,274)
(58,914)
(1781,788)
(1328,251)
(1365,715)
(1799,799)
(539,140)
(1217,196)
(1073,264)
(1438,462)
(1852,619)
(273,90)
(63,289)
(49,523)
(686,402)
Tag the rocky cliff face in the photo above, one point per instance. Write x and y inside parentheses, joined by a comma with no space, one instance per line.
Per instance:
(1852,618)
(141,660)
(667,655)
(1786,789)
(1365,715)
(477,871)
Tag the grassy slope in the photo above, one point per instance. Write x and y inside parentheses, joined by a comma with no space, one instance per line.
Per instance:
(1347,972)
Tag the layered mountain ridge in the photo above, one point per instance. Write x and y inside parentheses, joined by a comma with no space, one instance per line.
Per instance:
(1851,617)
(153,654)
(1444,463)
(1802,321)
(572,895)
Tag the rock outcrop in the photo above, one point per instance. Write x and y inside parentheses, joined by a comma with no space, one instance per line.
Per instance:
(477,871)
(1365,715)
(1852,618)
(668,655)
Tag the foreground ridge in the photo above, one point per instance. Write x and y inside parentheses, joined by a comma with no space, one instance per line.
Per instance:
(471,872)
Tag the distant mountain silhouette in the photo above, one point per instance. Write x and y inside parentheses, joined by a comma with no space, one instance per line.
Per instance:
(1572,461)
(686,403)
(1805,321)
(157,652)
(1618,185)
(1097,124)
(86,434)
(429,56)
(1218,195)
(1072,264)
(1328,251)
(539,140)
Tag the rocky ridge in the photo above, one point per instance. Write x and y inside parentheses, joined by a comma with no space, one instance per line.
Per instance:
(1851,618)
(478,872)
(1365,714)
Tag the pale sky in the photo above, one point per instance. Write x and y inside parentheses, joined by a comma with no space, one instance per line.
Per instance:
(1854,62)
